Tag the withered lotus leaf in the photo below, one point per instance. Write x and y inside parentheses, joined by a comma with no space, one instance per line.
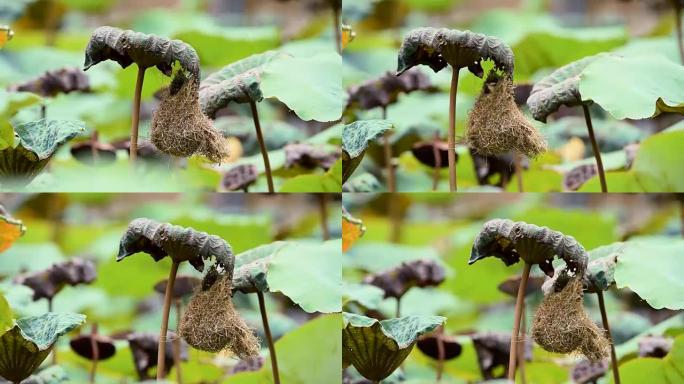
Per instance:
(586,371)
(47,283)
(510,285)
(10,229)
(428,344)
(398,280)
(183,286)
(240,177)
(493,352)
(52,83)
(82,345)
(655,346)
(365,339)
(310,156)
(437,47)
(181,244)
(385,90)
(145,346)
(510,241)
(127,47)
(352,230)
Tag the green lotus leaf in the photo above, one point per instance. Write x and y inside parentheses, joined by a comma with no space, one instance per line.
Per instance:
(600,273)
(364,338)
(363,183)
(437,47)
(309,86)
(510,241)
(127,47)
(634,87)
(559,88)
(50,375)
(24,347)
(239,82)
(281,267)
(355,139)
(11,103)
(668,370)
(181,244)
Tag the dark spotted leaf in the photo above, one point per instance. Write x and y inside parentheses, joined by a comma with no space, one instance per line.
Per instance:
(510,241)
(385,90)
(437,47)
(240,177)
(128,47)
(52,83)
(309,156)
(398,280)
(145,347)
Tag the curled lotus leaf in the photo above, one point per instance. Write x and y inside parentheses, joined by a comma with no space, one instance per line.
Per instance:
(510,241)
(385,90)
(24,347)
(83,346)
(561,87)
(181,244)
(437,47)
(127,47)
(355,140)
(50,375)
(364,338)
(239,82)
(52,83)
(47,283)
(398,280)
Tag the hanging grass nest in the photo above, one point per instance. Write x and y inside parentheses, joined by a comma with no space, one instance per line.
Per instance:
(496,125)
(179,127)
(561,325)
(211,323)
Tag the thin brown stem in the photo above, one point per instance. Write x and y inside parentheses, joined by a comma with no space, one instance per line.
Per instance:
(94,140)
(262,146)
(387,150)
(323,207)
(95,351)
(595,147)
(54,350)
(521,344)
(161,352)
(177,344)
(337,28)
(135,122)
(518,170)
(453,185)
(438,162)
(398,311)
(613,356)
(395,217)
(513,351)
(269,338)
(43,110)
(678,23)
(440,354)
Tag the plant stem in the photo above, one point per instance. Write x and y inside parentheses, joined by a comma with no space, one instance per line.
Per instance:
(43,110)
(54,350)
(94,139)
(395,217)
(323,207)
(440,354)
(518,170)
(678,23)
(438,162)
(161,352)
(391,183)
(262,146)
(95,351)
(604,318)
(521,344)
(177,344)
(513,351)
(269,338)
(681,213)
(595,147)
(337,28)
(136,115)
(452,130)
(398,312)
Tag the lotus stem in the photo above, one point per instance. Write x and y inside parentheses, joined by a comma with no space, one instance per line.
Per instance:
(336,28)
(398,312)
(394,211)
(519,304)
(681,213)
(453,186)
(161,352)
(521,344)
(440,354)
(177,344)
(94,139)
(136,115)
(43,110)
(323,207)
(595,147)
(262,146)
(95,351)
(678,24)
(269,338)
(54,350)
(613,357)
(518,170)
(438,163)
(391,183)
